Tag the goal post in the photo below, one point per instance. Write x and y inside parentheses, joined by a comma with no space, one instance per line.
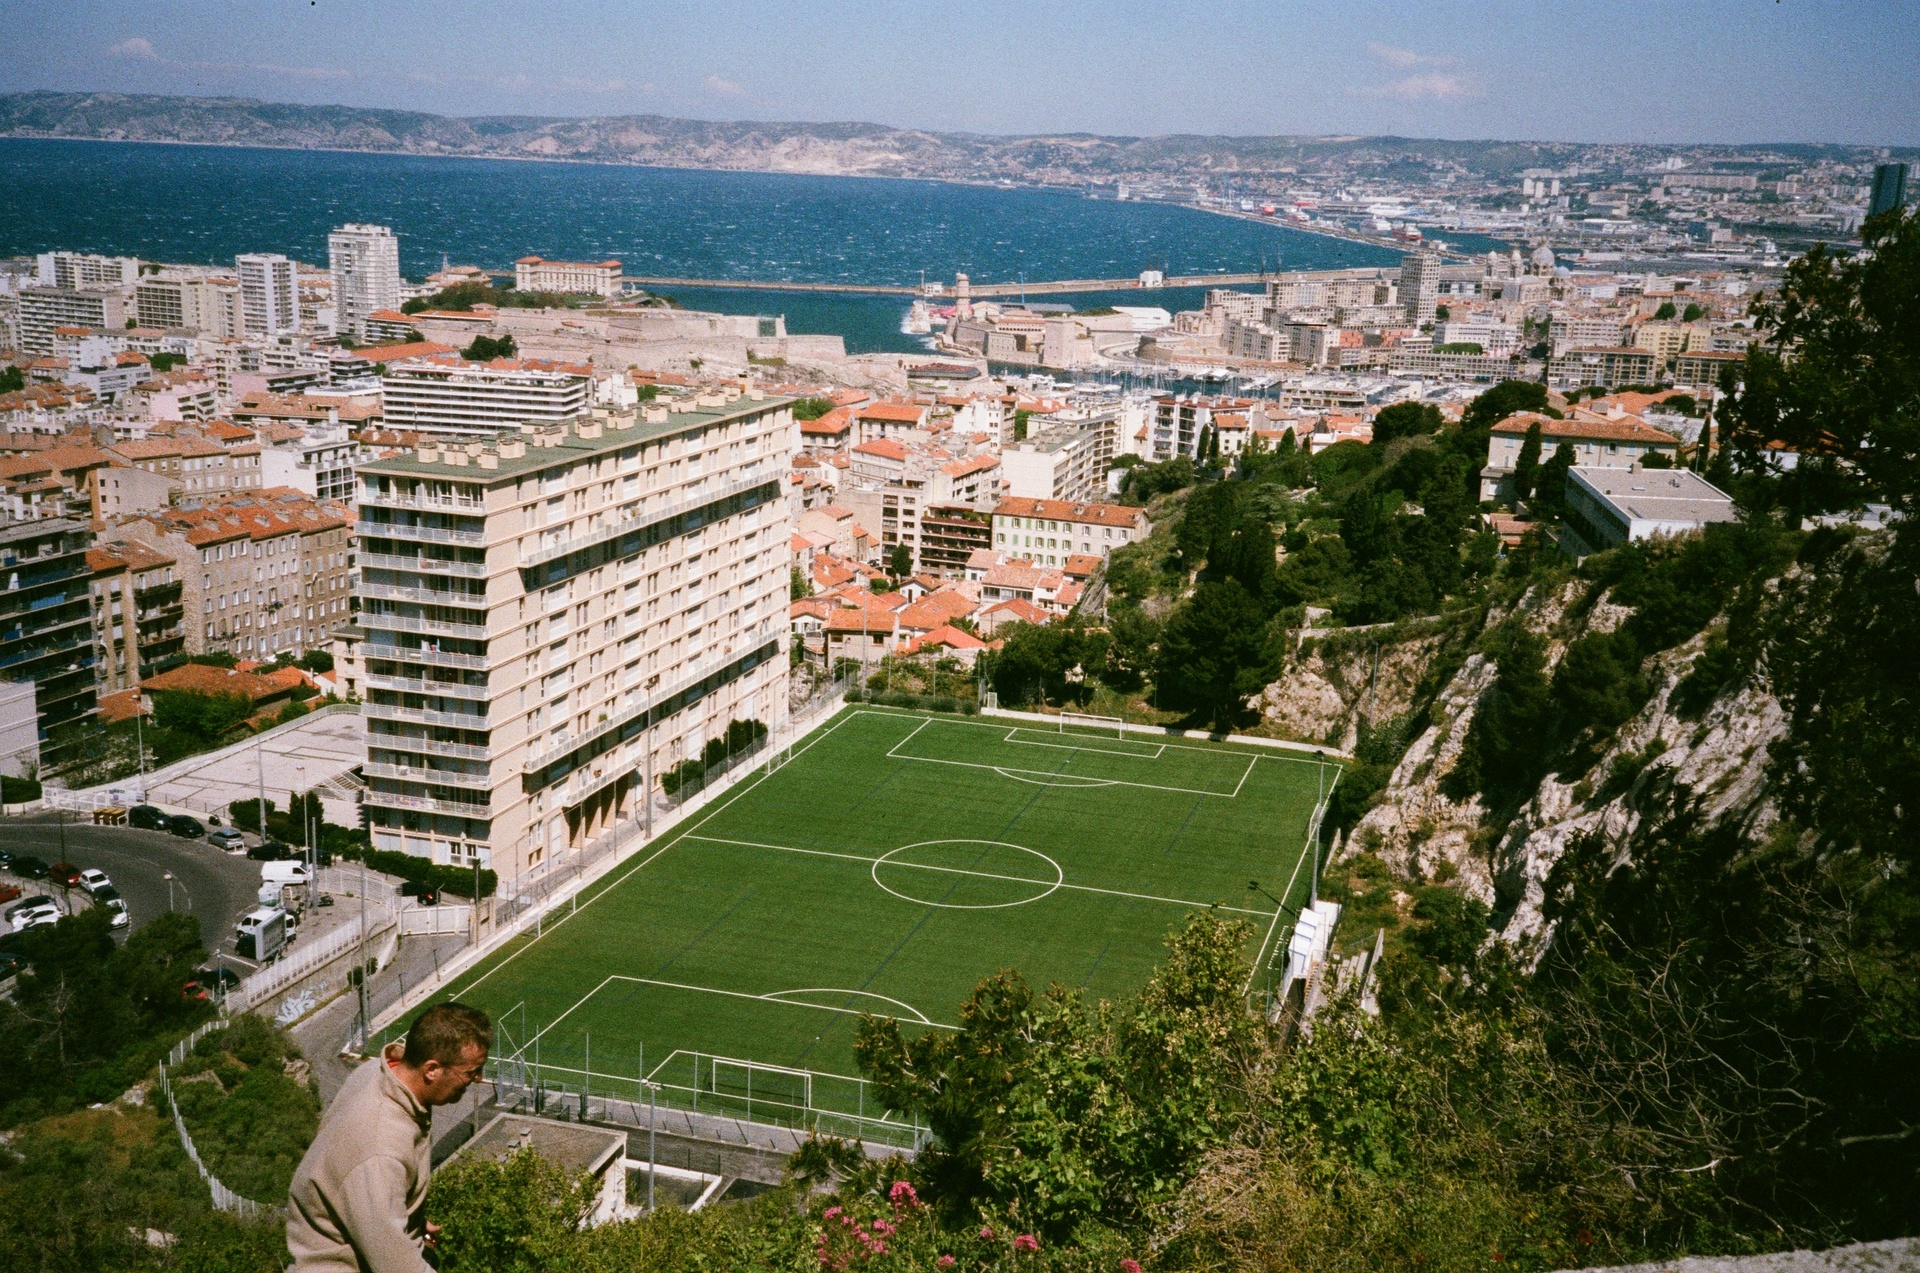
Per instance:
(1087,720)
(757,1083)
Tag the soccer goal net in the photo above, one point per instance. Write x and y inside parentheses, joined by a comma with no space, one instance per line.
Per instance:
(1086,720)
(757,1084)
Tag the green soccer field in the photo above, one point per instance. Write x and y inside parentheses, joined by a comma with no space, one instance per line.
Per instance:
(891,863)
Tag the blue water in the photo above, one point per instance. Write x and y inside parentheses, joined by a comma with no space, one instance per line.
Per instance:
(209,204)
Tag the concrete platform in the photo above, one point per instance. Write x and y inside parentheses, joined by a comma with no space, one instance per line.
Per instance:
(316,751)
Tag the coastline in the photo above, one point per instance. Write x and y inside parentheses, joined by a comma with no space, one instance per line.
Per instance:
(967,183)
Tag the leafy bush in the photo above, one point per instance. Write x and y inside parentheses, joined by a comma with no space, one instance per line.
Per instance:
(253,1122)
(18,790)
(456,881)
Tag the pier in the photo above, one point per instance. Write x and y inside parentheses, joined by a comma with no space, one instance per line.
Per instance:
(978,291)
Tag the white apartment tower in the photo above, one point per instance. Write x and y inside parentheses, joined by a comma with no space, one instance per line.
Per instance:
(269,297)
(365,261)
(1420,286)
(550,620)
(448,395)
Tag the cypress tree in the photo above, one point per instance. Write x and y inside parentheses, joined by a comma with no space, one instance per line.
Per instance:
(1527,468)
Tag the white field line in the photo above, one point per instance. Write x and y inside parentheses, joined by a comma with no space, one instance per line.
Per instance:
(819,1074)
(1158,748)
(672,840)
(909,738)
(918,1017)
(985,875)
(1251,762)
(1313,830)
(1214,749)
(1085,780)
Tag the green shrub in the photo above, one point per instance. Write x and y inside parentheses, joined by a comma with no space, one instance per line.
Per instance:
(18,790)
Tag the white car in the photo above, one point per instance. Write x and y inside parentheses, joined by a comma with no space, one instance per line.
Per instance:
(34,916)
(93,880)
(115,905)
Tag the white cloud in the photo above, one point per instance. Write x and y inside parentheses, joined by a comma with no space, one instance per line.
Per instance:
(1433,86)
(303,72)
(599,87)
(138,48)
(1397,57)
(722,88)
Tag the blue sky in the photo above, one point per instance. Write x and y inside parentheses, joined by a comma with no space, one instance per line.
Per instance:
(1581,70)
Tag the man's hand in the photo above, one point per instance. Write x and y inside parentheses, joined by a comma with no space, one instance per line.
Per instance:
(433,1236)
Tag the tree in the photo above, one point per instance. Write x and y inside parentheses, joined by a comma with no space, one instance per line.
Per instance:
(1404,420)
(1833,379)
(798,585)
(1020,418)
(1693,312)
(166,362)
(1665,312)
(1037,659)
(900,561)
(1526,468)
(516,1216)
(805,409)
(317,661)
(12,379)
(207,718)
(1550,489)
(487,348)
(1216,652)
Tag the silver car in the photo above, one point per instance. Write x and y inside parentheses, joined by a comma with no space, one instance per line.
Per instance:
(45,911)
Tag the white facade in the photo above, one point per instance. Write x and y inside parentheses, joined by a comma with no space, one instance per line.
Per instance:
(42,309)
(78,269)
(553,619)
(269,299)
(365,263)
(588,278)
(211,306)
(448,396)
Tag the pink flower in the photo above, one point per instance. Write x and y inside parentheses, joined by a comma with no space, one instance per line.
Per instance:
(882,1227)
(1026,1242)
(902,1194)
(944,1262)
(830,1213)
(986,1235)
(1129,1266)
(879,1248)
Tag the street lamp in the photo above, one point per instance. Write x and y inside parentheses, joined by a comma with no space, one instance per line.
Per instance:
(168,876)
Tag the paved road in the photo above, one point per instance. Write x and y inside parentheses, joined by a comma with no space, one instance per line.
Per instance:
(214,885)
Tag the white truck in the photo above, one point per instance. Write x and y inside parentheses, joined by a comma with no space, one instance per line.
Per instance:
(262,934)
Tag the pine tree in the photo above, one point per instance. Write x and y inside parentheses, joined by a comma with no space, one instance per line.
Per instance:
(1526,469)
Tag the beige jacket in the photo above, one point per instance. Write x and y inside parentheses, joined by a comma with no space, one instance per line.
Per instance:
(357,1204)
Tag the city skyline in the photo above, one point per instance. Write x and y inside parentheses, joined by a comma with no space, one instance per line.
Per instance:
(1741,74)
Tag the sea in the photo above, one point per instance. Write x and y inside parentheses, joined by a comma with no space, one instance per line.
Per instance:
(208,204)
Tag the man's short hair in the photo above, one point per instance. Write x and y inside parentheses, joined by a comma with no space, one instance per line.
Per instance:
(442,1034)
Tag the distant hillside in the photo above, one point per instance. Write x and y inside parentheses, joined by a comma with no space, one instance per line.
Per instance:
(844,148)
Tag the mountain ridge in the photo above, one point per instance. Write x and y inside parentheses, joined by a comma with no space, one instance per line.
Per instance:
(835,148)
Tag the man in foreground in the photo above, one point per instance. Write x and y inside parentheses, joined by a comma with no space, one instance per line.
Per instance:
(358,1200)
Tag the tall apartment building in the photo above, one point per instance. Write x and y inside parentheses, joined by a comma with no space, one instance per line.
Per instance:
(269,300)
(450,396)
(365,263)
(1889,192)
(1068,460)
(211,306)
(588,278)
(78,269)
(46,621)
(45,309)
(550,620)
(1420,286)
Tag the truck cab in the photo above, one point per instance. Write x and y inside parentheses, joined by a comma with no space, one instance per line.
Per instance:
(261,934)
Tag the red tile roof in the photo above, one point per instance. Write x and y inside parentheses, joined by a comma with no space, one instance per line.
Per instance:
(1068,511)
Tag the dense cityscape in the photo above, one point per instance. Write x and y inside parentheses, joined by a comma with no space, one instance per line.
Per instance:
(1383,765)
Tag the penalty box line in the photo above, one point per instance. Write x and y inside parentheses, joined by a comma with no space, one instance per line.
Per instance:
(1081,780)
(1158,748)
(1218,749)
(985,875)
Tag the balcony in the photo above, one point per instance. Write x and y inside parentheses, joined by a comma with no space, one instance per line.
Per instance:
(430,777)
(616,529)
(430,658)
(426,804)
(411,685)
(424,565)
(374,497)
(420,534)
(537,757)
(429,627)
(422,716)
(424,596)
(427,746)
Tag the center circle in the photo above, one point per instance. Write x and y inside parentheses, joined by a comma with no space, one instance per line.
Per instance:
(967,875)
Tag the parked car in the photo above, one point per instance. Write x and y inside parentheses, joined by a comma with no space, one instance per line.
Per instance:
(8,892)
(227,838)
(94,880)
(43,911)
(207,980)
(19,907)
(271,851)
(147,818)
(30,867)
(109,898)
(65,874)
(185,827)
